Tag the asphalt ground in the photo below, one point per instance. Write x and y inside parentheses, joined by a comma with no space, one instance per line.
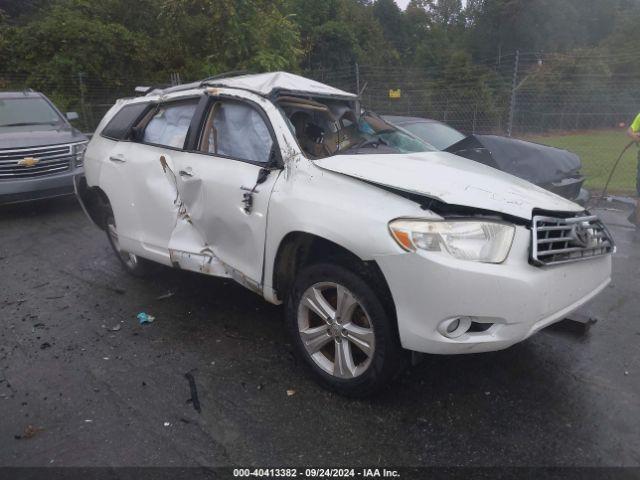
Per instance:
(82,383)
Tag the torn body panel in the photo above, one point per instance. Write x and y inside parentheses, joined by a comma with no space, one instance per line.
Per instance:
(203,262)
(188,248)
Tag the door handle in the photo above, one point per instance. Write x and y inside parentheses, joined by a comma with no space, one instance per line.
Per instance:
(186,173)
(117,158)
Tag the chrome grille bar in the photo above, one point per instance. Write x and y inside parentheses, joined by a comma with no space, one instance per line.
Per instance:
(39,157)
(49,160)
(557,240)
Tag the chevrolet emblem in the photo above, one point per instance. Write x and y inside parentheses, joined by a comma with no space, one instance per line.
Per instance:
(28,162)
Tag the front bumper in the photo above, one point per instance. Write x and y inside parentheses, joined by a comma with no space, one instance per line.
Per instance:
(517,298)
(28,189)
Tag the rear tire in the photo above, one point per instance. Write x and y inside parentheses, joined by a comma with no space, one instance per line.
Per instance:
(132,263)
(342,331)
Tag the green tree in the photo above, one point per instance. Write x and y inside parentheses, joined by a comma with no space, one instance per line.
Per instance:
(65,40)
(204,37)
(392,21)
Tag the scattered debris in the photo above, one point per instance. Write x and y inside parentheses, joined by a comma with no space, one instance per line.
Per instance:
(45,345)
(578,325)
(167,424)
(194,391)
(37,325)
(234,334)
(145,318)
(29,432)
(16,302)
(290,393)
(165,296)
(583,319)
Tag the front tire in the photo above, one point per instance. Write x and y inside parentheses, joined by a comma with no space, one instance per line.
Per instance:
(132,263)
(342,330)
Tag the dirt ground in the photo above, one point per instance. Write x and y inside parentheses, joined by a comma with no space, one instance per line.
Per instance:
(83,384)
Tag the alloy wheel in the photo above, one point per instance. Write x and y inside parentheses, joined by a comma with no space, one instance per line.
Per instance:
(336,330)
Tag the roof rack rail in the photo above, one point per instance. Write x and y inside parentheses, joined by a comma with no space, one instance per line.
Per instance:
(145,89)
(232,73)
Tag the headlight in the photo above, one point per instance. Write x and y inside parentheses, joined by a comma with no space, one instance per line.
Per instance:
(476,241)
(78,153)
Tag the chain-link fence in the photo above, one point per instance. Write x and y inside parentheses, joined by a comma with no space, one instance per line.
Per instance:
(587,112)
(584,111)
(90,97)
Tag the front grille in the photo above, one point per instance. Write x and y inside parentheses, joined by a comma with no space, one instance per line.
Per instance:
(49,160)
(562,240)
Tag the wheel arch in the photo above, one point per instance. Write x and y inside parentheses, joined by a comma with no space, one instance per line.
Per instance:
(298,249)
(94,201)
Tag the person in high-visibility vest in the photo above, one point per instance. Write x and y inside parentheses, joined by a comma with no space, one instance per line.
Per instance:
(634,132)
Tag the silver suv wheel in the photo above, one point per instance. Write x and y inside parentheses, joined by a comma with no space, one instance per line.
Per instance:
(336,330)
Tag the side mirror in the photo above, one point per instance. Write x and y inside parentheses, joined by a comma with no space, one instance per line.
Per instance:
(137,134)
(72,116)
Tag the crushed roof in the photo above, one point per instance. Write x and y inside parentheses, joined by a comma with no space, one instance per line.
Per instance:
(271,83)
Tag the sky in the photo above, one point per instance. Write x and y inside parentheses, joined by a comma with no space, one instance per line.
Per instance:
(403,3)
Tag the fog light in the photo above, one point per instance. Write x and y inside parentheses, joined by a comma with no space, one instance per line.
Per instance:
(455,327)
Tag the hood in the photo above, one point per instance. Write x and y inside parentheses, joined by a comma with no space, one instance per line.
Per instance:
(450,179)
(539,164)
(38,136)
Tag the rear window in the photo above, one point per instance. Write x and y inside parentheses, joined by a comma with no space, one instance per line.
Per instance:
(120,125)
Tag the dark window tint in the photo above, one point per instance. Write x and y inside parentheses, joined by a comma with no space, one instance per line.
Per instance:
(120,125)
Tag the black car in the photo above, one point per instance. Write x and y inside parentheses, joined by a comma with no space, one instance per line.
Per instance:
(551,168)
(40,151)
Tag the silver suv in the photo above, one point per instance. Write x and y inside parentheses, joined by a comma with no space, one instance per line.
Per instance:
(40,151)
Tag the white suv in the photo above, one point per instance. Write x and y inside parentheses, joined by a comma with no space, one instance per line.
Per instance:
(377,244)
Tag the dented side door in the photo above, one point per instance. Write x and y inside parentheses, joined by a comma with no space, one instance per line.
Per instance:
(224,200)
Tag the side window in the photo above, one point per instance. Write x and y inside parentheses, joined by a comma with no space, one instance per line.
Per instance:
(120,125)
(237,130)
(170,124)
